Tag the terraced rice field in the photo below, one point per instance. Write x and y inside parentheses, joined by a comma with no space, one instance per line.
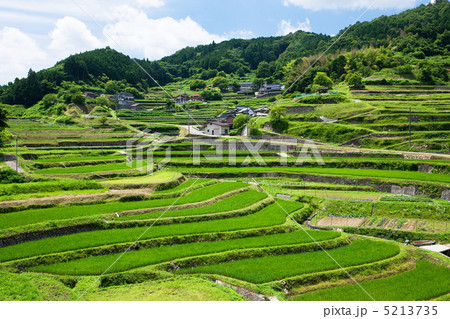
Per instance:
(140,258)
(186,225)
(425,282)
(264,269)
(27,217)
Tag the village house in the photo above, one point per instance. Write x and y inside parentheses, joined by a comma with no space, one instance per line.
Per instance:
(92,95)
(269,90)
(222,124)
(125,100)
(218,129)
(185,98)
(182,99)
(197,97)
(246,88)
(227,117)
(323,90)
(262,112)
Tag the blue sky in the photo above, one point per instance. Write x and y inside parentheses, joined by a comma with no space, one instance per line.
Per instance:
(38,33)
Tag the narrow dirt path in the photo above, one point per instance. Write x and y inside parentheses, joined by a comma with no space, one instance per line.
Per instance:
(246,293)
(10,160)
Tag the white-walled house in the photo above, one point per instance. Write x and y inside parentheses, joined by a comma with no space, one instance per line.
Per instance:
(218,129)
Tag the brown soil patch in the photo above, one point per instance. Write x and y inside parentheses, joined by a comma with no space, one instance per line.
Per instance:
(341,221)
(81,198)
(410,225)
(390,224)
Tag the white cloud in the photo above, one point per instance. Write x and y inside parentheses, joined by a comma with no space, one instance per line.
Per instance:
(286,27)
(77,8)
(150,3)
(19,52)
(350,4)
(72,36)
(139,35)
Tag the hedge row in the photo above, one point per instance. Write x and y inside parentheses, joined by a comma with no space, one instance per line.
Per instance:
(178,207)
(148,244)
(156,187)
(181,192)
(37,187)
(334,275)
(54,224)
(398,235)
(17,235)
(375,165)
(303,214)
(253,253)
(129,278)
(199,218)
(39,166)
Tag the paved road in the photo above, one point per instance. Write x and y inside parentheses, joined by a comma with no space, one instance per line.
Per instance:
(192,130)
(10,160)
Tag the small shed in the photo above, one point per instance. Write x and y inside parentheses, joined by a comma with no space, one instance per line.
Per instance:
(323,89)
(218,129)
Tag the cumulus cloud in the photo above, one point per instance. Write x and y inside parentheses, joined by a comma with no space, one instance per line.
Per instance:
(70,36)
(286,27)
(133,31)
(18,53)
(73,8)
(150,3)
(350,4)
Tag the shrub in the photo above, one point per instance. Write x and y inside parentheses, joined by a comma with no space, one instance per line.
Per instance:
(64,119)
(197,85)
(323,99)
(10,176)
(354,80)
(132,198)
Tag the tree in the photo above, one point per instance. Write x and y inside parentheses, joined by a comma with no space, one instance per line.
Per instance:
(425,73)
(228,66)
(3,125)
(103,101)
(277,117)
(197,85)
(103,120)
(78,99)
(241,120)
(235,87)
(338,67)
(170,104)
(322,79)
(264,70)
(50,100)
(211,95)
(218,81)
(354,80)
(134,91)
(277,113)
(113,87)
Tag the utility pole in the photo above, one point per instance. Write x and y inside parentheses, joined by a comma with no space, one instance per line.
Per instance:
(17,157)
(410,127)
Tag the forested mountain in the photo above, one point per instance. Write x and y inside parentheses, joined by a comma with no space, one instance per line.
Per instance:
(413,30)
(235,55)
(418,33)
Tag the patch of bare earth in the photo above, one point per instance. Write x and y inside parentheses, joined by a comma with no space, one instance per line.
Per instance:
(81,198)
(341,221)
(410,225)
(390,224)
